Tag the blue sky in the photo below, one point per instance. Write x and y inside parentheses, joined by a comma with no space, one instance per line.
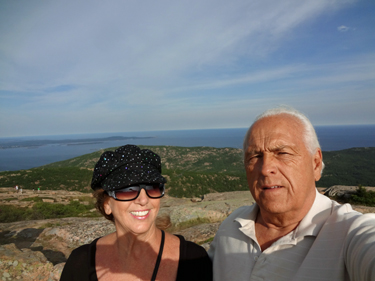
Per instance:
(71,67)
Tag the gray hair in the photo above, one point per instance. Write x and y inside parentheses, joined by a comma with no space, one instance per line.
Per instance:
(310,137)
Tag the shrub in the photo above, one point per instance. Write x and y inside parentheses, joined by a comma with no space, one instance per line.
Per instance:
(35,199)
(49,211)
(41,211)
(10,213)
(363,197)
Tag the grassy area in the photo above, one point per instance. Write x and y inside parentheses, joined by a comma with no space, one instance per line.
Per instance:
(41,210)
(363,197)
(69,178)
(209,240)
(36,199)
(191,184)
(189,223)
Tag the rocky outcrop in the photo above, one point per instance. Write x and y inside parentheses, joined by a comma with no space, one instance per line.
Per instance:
(38,249)
(344,192)
(26,264)
(340,191)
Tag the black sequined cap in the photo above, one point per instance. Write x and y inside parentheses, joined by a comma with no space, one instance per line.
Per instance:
(126,166)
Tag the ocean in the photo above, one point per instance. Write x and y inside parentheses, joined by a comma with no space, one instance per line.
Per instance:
(63,147)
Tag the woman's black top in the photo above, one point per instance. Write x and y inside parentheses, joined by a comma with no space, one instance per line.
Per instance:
(194,263)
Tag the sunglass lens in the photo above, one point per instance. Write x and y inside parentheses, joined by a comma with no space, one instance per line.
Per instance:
(155,190)
(128,193)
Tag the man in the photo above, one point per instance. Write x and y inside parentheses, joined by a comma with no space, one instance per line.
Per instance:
(292,232)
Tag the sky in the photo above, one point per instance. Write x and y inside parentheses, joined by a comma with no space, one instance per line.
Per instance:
(77,67)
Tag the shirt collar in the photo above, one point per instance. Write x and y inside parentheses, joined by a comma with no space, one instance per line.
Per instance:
(314,220)
(247,221)
(310,225)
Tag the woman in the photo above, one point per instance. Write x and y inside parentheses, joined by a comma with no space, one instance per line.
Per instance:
(128,185)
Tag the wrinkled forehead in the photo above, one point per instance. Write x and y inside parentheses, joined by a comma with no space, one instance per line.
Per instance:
(276,130)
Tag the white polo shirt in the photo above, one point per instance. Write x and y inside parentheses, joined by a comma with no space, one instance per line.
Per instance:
(332,242)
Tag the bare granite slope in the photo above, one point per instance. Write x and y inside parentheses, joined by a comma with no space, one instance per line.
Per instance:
(37,250)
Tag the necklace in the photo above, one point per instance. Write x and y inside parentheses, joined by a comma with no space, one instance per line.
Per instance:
(159,257)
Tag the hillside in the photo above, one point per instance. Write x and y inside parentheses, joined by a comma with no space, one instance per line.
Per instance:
(193,171)
(349,167)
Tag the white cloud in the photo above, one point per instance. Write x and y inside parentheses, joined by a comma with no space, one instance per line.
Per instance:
(76,43)
(78,63)
(343,28)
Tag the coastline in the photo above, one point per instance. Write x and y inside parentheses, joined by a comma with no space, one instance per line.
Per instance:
(44,150)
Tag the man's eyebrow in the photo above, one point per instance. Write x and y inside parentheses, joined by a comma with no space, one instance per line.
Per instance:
(252,151)
(284,148)
(279,147)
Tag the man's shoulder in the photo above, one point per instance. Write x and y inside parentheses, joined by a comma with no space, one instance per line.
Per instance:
(334,209)
(344,211)
(347,217)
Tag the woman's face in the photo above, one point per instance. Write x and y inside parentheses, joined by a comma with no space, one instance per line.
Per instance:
(136,216)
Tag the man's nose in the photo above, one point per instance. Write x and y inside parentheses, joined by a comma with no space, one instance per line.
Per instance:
(268,165)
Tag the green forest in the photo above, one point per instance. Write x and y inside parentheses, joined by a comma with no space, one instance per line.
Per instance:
(193,171)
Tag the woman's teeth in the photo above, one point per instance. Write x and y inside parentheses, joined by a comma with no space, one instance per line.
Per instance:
(140,213)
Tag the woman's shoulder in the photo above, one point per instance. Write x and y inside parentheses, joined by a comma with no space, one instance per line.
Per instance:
(79,264)
(189,249)
(84,250)
(194,263)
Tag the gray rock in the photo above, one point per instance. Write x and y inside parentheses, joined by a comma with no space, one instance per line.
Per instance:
(340,191)
(32,251)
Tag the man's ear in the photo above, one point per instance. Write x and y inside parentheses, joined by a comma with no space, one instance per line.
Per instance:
(318,164)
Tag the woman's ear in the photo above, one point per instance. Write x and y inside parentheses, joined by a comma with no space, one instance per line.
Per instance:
(107,208)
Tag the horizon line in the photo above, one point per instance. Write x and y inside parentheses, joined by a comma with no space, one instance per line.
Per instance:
(170,130)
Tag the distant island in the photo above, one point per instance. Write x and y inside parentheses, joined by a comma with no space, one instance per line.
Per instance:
(38,143)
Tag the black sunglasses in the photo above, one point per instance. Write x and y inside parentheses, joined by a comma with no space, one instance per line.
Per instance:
(154,191)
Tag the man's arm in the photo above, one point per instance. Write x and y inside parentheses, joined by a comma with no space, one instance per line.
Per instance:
(360,248)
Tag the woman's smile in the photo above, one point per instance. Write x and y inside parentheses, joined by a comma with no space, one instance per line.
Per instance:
(140,214)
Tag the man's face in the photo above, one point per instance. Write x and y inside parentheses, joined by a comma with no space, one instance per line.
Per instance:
(281,172)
